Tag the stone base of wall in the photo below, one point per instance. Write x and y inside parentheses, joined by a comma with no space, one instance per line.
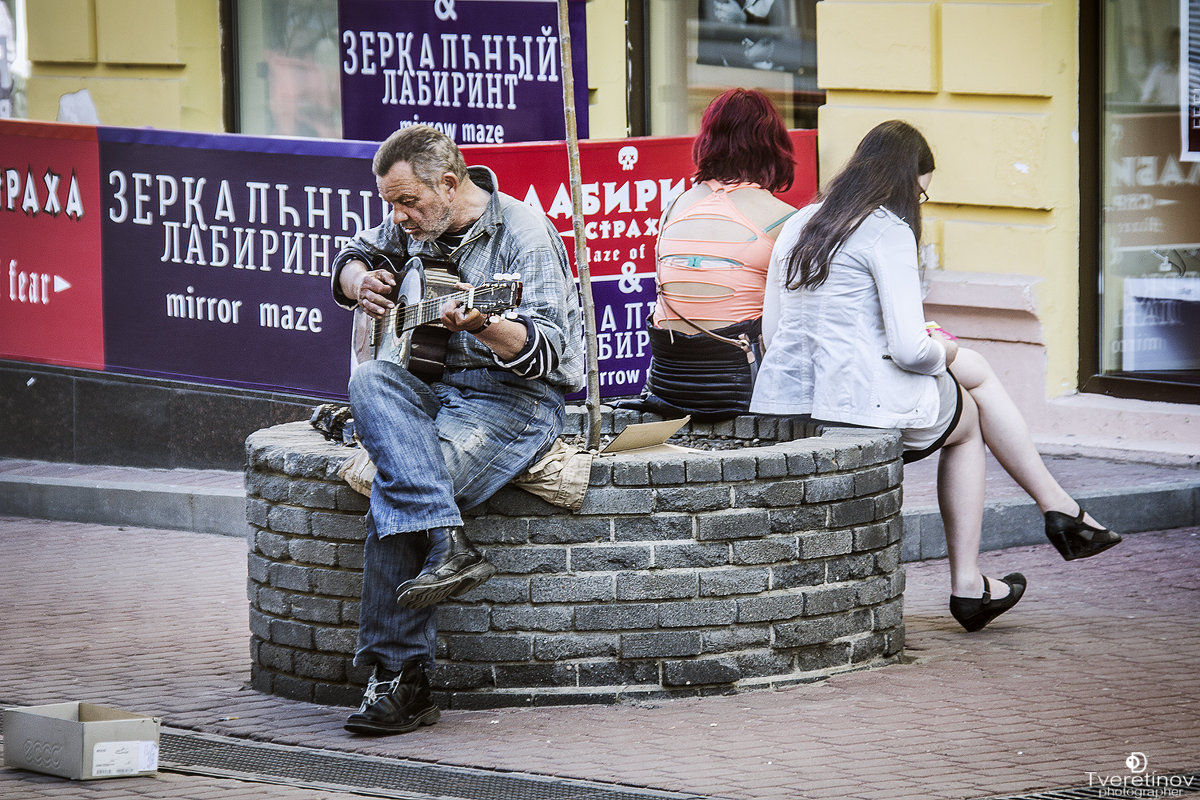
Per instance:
(683,574)
(86,417)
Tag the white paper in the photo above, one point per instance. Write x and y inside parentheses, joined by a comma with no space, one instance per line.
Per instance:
(148,757)
(123,758)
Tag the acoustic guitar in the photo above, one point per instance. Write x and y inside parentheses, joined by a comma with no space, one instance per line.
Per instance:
(409,334)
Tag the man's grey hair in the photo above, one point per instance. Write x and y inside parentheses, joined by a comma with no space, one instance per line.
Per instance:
(427,150)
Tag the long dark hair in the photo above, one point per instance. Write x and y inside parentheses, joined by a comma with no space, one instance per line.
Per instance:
(743,138)
(882,172)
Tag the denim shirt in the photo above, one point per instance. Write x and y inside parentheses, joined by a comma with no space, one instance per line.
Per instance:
(509,237)
(854,349)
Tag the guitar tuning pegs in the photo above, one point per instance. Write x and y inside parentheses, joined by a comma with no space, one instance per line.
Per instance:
(510,314)
(507,276)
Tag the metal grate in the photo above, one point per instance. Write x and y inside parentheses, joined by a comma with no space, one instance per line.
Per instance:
(204,754)
(1188,784)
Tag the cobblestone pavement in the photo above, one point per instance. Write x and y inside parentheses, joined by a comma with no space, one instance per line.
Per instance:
(1097,661)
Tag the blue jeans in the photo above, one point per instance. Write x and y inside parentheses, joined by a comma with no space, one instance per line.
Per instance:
(437,449)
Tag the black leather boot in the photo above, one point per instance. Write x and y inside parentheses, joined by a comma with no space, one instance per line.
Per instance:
(452,567)
(395,702)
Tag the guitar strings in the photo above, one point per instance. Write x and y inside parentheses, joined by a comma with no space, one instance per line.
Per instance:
(429,309)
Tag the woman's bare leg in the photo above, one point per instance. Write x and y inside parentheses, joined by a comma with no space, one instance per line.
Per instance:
(960,488)
(1007,435)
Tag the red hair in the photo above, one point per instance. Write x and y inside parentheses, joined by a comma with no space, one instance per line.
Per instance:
(743,139)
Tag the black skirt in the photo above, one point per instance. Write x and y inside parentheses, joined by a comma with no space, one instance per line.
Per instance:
(692,373)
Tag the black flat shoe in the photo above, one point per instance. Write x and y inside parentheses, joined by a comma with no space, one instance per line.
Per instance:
(1074,538)
(975,612)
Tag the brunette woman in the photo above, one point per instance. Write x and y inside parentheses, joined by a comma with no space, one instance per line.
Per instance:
(847,342)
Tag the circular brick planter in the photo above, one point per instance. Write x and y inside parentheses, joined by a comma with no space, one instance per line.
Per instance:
(688,573)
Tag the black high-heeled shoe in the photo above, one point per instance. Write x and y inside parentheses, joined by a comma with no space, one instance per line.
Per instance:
(975,612)
(1074,538)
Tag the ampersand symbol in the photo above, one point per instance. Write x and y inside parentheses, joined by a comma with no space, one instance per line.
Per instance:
(444,9)
(630,282)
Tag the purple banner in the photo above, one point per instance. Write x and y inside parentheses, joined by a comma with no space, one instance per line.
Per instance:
(482,71)
(217,255)
(622,341)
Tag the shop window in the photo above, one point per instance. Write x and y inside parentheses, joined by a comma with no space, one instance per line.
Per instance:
(1149,310)
(13,66)
(287,68)
(700,48)
(287,63)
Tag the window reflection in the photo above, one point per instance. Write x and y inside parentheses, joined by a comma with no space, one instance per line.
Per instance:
(769,45)
(288,68)
(1150,276)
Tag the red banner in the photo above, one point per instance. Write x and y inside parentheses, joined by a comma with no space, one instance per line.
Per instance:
(626,185)
(50,215)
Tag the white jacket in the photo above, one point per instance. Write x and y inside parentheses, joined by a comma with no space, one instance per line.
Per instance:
(854,349)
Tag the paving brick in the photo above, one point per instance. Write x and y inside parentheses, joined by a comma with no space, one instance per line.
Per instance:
(667,470)
(764,551)
(703,671)
(572,588)
(528,618)
(657,585)
(569,530)
(653,528)
(625,617)
(770,608)
(724,583)
(692,499)
(606,501)
(739,466)
(661,644)
(697,613)
(866,734)
(736,523)
(607,558)
(552,647)
(490,648)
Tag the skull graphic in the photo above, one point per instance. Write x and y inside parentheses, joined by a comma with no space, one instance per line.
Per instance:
(628,156)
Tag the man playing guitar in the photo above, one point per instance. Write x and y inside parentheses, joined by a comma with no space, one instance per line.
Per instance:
(447,444)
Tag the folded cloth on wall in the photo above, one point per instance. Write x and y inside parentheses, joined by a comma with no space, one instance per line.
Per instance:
(560,477)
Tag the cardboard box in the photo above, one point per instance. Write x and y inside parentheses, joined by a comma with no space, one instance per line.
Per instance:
(80,741)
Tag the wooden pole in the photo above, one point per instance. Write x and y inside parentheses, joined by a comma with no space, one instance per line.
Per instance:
(581,252)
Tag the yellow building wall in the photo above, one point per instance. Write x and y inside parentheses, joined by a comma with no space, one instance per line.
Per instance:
(143,62)
(994,88)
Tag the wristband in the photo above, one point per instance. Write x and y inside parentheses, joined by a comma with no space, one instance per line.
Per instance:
(486,322)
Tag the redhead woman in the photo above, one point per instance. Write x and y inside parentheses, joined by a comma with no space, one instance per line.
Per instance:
(712,255)
(847,343)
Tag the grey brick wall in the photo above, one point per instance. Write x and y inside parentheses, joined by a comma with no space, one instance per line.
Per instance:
(774,561)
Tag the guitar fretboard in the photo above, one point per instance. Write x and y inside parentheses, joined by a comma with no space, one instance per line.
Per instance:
(404,318)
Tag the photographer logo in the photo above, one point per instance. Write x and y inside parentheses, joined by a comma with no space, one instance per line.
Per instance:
(1136,763)
(1140,783)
